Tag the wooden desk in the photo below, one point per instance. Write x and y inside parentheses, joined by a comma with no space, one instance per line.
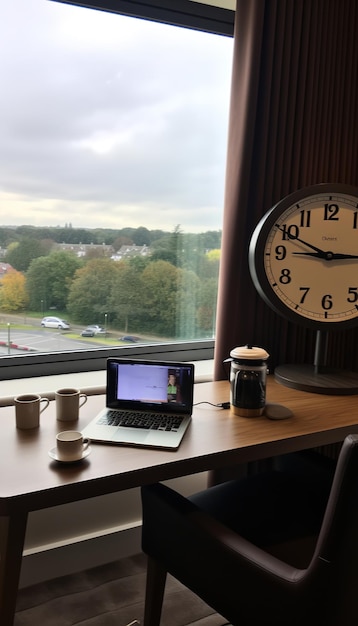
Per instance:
(30,481)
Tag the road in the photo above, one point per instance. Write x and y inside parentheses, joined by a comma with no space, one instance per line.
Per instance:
(43,340)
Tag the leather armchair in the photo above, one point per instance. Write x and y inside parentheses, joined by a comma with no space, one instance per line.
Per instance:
(276,548)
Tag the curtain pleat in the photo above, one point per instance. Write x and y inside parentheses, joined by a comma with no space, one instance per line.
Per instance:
(293,123)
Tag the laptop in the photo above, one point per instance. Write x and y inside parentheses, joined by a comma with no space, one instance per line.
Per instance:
(148,403)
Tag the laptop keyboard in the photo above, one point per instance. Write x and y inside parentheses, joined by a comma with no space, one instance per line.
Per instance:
(147,421)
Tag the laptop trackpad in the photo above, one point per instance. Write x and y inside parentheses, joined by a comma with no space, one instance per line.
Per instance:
(131,435)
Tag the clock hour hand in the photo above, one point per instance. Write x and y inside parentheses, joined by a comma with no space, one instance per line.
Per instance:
(328,256)
(321,254)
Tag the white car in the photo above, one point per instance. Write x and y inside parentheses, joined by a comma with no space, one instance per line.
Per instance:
(54,322)
(97,330)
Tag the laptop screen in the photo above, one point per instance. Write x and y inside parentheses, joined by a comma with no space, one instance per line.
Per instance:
(153,385)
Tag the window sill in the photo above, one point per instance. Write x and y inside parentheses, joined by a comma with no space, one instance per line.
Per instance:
(91,383)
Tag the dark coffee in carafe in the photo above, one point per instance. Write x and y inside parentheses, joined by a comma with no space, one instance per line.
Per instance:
(248,380)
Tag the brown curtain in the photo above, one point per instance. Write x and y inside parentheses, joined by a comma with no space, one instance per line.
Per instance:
(293,123)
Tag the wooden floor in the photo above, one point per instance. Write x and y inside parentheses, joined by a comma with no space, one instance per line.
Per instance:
(110,595)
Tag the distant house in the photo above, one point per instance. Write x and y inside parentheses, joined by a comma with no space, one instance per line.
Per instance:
(125,252)
(5,268)
(82,249)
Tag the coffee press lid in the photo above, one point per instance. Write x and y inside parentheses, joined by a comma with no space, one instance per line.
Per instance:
(251,353)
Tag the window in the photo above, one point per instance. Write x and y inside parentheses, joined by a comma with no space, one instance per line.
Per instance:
(114,148)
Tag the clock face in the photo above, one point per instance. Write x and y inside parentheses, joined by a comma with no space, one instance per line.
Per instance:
(303,257)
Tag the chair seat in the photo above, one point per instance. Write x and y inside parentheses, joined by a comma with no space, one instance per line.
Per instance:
(275,548)
(275,508)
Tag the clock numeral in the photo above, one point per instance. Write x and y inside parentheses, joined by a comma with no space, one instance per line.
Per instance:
(355,219)
(290,232)
(285,277)
(353,291)
(305,292)
(327,302)
(331,211)
(305,218)
(280,252)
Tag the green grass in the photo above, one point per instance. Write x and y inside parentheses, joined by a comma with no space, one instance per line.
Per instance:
(16,326)
(99,339)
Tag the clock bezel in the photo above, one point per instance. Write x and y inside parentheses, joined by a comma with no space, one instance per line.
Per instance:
(257,253)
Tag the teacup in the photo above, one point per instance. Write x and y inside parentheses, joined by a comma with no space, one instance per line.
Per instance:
(68,404)
(28,409)
(71,445)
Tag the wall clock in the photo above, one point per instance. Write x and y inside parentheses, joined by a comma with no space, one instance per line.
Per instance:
(303,259)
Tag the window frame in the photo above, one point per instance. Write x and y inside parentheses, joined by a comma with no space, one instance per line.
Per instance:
(184,13)
(69,362)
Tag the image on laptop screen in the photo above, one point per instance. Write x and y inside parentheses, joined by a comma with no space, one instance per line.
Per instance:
(153,384)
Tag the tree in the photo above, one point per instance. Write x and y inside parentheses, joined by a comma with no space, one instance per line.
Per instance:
(187,304)
(141,236)
(208,265)
(126,300)
(95,253)
(206,313)
(49,280)
(121,241)
(169,248)
(13,294)
(63,266)
(211,239)
(159,297)
(20,254)
(139,263)
(214,255)
(90,291)
(7,236)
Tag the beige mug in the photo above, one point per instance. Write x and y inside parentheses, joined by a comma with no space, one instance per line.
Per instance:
(71,445)
(68,404)
(28,409)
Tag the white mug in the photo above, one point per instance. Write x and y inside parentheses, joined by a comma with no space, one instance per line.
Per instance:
(68,404)
(71,445)
(28,409)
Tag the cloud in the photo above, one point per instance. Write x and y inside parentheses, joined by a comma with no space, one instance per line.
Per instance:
(110,121)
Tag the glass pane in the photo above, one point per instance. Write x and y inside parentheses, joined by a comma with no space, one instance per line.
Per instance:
(112,165)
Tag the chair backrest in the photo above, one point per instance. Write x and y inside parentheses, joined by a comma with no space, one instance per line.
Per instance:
(245,583)
(336,554)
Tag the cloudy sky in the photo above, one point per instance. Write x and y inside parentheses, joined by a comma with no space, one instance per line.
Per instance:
(108,121)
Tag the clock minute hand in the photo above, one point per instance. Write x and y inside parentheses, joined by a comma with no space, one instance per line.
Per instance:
(321,254)
(329,256)
(344,256)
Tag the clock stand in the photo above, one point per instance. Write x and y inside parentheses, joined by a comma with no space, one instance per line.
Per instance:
(318,378)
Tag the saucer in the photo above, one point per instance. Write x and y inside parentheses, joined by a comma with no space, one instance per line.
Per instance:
(53,454)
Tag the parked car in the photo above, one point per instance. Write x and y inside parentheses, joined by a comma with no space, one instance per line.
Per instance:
(98,330)
(129,339)
(54,322)
(88,332)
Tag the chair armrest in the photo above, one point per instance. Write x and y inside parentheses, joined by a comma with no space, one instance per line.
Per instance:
(168,514)
(244,550)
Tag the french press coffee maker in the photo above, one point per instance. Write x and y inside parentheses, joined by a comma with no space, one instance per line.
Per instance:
(248,380)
